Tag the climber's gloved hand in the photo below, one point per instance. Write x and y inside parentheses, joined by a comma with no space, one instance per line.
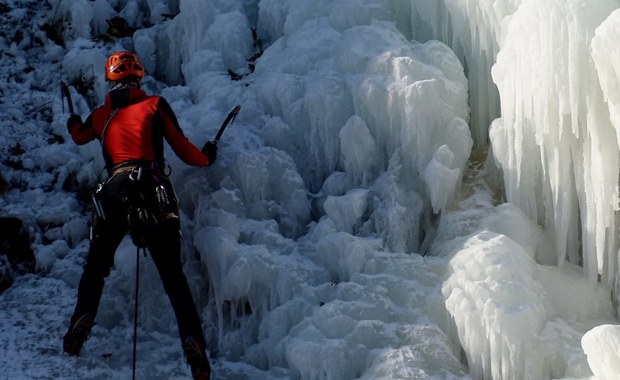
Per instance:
(73,120)
(210,150)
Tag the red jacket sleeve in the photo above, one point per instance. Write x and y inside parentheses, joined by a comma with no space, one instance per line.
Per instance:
(182,147)
(82,133)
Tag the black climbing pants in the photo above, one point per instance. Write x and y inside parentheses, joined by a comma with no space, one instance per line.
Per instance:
(163,245)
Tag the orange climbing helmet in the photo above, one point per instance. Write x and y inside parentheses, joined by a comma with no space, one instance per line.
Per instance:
(123,64)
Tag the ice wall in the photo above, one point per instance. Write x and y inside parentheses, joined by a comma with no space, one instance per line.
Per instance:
(555,137)
(473,29)
(555,68)
(347,70)
(557,145)
(350,136)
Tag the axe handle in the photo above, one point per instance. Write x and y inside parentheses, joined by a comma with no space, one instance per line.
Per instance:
(231,116)
(64,90)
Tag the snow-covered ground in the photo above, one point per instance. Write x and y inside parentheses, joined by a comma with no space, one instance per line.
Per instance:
(352,226)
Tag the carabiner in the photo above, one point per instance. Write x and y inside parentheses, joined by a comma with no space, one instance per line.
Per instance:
(136,175)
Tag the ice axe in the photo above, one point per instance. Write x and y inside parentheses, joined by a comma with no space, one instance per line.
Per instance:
(229,119)
(211,146)
(65,93)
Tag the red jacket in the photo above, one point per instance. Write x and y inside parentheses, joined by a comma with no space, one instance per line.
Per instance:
(137,130)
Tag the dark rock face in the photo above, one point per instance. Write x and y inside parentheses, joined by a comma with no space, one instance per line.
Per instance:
(15,251)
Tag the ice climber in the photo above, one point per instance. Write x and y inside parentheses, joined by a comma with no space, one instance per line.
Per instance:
(137,197)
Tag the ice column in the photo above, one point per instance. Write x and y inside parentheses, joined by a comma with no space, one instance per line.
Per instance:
(555,137)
